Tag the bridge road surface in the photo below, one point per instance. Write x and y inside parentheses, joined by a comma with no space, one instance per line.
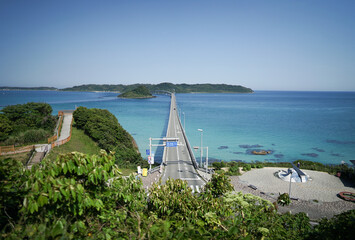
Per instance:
(178,161)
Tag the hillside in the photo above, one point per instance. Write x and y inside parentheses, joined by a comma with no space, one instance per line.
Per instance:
(139,92)
(178,88)
(104,128)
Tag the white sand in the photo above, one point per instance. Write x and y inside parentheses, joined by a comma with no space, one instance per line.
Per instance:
(323,186)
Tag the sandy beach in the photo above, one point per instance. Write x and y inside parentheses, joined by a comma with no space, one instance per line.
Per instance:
(317,197)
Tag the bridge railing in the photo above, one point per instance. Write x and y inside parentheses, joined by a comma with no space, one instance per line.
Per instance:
(193,159)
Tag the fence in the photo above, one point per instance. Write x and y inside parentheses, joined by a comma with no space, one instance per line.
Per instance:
(4,150)
(61,142)
(55,137)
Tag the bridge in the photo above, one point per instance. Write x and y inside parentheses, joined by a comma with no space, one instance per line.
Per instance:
(179,160)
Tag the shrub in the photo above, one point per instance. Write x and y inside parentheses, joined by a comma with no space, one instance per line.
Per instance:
(341,226)
(283,199)
(234,170)
(5,127)
(218,185)
(247,167)
(216,165)
(34,135)
(103,127)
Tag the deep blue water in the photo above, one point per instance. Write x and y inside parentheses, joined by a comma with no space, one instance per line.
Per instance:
(317,126)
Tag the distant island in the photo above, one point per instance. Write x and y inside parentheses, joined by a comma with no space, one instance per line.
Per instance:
(178,88)
(120,88)
(139,92)
(30,88)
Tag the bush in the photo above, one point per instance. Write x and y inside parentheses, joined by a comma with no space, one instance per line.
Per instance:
(246,167)
(34,135)
(218,185)
(284,199)
(234,171)
(5,127)
(20,118)
(216,165)
(341,226)
(103,127)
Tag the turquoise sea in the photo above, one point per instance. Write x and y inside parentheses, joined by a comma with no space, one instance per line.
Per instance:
(317,126)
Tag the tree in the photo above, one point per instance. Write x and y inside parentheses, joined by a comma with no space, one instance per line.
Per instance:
(12,190)
(5,127)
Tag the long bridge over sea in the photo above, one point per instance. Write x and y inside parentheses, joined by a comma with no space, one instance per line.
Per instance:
(178,159)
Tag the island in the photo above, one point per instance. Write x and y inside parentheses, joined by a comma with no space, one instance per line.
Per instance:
(140,92)
(166,86)
(30,88)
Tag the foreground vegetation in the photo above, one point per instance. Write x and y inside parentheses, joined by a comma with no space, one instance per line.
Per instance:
(26,123)
(178,88)
(72,198)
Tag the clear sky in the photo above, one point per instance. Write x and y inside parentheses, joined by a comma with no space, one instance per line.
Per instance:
(264,45)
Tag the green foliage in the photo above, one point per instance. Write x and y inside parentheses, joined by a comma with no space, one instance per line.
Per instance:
(340,226)
(12,178)
(80,196)
(246,167)
(75,178)
(284,199)
(32,136)
(29,137)
(20,118)
(219,165)
(5,127)
(103,127)
(234,170)
(139,92)
(218,185)
(178,88)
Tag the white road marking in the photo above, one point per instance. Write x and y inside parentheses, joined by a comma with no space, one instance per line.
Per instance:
(197,189)
(190,179)
(192,188)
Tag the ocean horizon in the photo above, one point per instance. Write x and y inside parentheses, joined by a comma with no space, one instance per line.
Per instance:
(309,125)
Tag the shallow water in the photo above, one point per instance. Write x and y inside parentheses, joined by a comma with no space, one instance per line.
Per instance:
(317,126)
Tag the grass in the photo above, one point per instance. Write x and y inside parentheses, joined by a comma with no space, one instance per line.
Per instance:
(80,142)
(22,157)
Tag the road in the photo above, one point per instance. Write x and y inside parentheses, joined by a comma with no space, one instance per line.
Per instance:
(178,160)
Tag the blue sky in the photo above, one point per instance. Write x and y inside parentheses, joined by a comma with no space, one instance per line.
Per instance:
(265,45)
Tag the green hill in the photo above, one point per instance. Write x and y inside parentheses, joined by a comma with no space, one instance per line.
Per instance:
(139,92)
(178,88)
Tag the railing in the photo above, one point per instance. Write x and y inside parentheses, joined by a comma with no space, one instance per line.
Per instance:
(193,159)
(4,150)
(55,137)
(154,170)
(61,142)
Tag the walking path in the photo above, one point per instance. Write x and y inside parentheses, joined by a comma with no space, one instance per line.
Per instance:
(43,149)
(65,132)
